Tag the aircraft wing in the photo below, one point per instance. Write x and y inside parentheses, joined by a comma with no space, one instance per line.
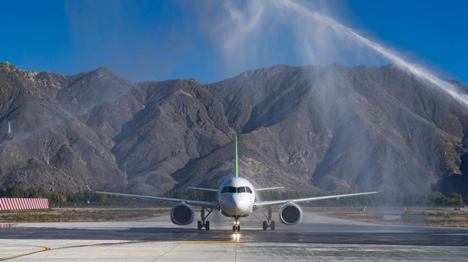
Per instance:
(301,200)
(213,205)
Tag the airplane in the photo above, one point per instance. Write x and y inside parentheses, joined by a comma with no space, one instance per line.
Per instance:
(236,198)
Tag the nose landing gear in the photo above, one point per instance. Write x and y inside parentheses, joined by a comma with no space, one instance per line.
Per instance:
(236,226)
(268,224)
(203,223)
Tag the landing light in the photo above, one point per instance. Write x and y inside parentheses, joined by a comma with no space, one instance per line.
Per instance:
(236,237)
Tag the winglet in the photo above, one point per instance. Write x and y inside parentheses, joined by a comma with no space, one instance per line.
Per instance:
(237,163)
(90,189)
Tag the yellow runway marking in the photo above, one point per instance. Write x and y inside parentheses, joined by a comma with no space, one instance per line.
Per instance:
(27,254)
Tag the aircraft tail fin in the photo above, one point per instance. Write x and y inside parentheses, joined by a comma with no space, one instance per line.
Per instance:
(237,162)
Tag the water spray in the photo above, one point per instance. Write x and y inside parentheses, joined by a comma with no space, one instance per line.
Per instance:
(416,70)
(245,25)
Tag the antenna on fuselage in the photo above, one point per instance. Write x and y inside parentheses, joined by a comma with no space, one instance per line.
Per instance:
(237,162)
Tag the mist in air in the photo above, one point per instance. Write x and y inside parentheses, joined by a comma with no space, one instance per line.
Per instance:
(247,32)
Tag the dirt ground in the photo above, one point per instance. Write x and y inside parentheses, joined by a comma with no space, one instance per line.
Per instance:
(434,217)
(82,214)
(424,216)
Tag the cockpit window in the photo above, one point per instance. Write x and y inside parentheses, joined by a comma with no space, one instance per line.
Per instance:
(230,189)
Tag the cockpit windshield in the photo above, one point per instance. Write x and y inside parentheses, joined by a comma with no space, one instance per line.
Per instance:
(230,189)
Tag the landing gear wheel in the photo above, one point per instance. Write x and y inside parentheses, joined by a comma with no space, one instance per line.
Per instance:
(268,224)
(234,229)
(203,223)
(238,228)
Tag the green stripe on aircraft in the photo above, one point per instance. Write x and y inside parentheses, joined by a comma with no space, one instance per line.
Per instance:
(237,163)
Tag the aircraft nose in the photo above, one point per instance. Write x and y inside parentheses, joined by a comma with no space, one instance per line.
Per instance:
(242,202)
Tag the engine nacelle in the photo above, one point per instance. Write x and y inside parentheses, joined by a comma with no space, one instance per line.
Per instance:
(182,214)
(290,214)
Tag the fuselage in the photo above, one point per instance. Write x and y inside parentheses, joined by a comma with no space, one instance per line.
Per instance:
(236,197)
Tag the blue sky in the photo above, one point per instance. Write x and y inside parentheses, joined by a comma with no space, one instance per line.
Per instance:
(148,40)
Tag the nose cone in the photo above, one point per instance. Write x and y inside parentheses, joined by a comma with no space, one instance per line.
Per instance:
(241,202)
(236,204)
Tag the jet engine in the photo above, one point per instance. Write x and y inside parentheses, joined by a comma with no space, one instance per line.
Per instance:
(182,214)
(290,214)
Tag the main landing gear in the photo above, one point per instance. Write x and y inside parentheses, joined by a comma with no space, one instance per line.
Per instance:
(268,224)
(203,223)
(236,226)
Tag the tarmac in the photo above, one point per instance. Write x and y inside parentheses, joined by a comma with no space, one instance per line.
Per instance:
(316,238)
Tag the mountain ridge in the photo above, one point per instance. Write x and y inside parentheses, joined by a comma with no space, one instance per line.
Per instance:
(310,128)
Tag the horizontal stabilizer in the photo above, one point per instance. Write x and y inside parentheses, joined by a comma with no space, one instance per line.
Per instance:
(203,189)
(269,188)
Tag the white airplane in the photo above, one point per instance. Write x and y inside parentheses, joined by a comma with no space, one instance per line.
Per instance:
(236,198)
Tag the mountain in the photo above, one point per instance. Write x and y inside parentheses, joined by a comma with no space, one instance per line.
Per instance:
(308,128)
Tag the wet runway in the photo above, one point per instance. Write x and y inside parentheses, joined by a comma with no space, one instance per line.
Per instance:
(316,238)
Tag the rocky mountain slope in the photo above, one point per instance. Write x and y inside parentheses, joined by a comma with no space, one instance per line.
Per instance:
(308,128)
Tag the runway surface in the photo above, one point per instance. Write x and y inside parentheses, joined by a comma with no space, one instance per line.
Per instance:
(317,238)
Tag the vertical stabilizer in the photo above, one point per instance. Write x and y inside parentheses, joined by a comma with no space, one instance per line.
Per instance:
(237,162)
